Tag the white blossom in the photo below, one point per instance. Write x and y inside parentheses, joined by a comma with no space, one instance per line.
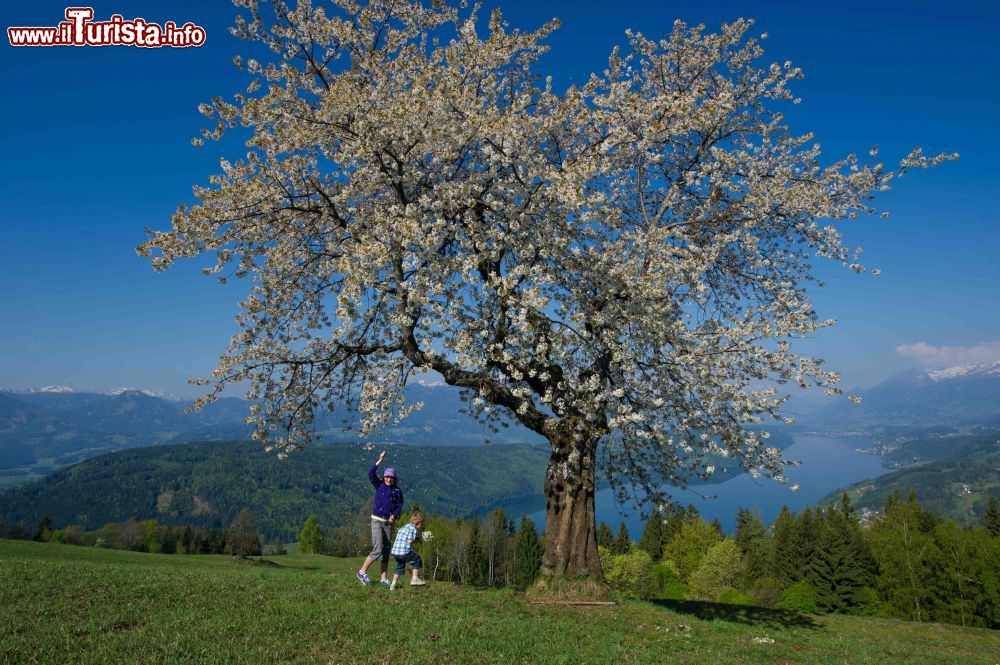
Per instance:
(620,264)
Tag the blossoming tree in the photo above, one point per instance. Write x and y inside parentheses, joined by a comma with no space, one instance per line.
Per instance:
(619,266)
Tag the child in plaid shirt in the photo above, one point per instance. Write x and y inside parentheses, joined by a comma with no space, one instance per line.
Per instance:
(402,551)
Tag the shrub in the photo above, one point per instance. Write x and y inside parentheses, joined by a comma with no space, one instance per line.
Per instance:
(629,574)
(721,569)
(277,548)
(606,557)
(664,580)
(869,605)
(800,597)
(71,535)
(766,591)
(311,538)
(688,547)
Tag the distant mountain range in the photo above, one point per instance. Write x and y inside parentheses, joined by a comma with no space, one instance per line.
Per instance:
(963,395)
(940,429)
(46,429)
(66,390)
(49,428)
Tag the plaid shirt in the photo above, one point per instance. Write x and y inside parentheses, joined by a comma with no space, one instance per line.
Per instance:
(401,546)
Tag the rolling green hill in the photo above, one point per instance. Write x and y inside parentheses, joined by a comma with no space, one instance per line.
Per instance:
(60,603)
(41,432)
(206,484)
(957,486)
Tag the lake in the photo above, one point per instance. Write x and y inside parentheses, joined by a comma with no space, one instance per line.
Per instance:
(828,463)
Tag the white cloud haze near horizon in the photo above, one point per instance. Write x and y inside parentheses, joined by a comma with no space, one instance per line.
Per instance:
(939,357)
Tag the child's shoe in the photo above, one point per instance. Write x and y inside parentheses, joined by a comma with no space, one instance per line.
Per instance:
(392,587)
(417,581)
(363,578)
(385,583)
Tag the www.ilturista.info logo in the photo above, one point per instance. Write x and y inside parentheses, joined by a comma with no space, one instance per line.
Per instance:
(80,30)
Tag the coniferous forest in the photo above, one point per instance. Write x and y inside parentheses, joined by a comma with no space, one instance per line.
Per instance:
(908,563)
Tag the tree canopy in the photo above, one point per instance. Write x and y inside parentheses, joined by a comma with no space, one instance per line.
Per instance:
(618,263)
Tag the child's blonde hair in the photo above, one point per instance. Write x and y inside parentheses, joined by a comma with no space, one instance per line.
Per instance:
(417,518)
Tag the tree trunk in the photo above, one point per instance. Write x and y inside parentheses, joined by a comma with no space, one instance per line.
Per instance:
(570,527)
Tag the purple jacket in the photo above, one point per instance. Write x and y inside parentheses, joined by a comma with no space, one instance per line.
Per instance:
(388,500)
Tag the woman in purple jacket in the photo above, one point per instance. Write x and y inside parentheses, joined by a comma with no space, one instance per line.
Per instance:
(388,506)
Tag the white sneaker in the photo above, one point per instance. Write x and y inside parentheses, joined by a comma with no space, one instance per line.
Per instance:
(419,581)
(392,587)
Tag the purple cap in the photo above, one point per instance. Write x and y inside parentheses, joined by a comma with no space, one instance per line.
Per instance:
(389,473)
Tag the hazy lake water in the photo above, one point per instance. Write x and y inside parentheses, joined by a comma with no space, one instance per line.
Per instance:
(828,463)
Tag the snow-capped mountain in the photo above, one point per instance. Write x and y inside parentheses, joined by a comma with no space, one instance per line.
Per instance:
(967,371)
(144,391)
(66,390)
(52,389)
(964,394)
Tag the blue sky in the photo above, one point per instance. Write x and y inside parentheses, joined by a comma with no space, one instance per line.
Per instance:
(97,148)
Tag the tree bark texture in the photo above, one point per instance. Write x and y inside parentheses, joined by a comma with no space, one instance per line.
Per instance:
(570,526)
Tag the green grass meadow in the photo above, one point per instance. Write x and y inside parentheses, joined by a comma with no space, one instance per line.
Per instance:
(66,604)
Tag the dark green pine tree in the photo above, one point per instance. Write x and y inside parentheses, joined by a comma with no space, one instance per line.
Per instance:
(677,519)
(652,540)
(528,551)
(827,554)
(496,546)
(622,543)
(44,529)
(752,539)
(852,564)
(605,538)
(808,526)
(476,560)
(991,518)
(717,525)
(826,567)
(926,519)
(784,557)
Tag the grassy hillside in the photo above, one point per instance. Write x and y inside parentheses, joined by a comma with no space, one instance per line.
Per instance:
(957,487)
(42,432)
(206,484)
(45,431)
(916,450)
(62,603)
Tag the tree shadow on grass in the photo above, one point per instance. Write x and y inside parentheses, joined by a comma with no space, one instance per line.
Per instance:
(746,614)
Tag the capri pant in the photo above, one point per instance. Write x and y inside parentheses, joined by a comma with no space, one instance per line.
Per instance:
(381,542)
